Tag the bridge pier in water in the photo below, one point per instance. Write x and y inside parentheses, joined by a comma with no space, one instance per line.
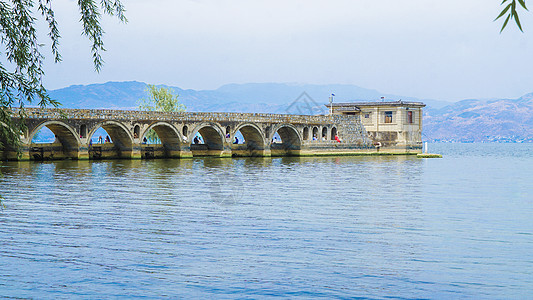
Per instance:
(186,135)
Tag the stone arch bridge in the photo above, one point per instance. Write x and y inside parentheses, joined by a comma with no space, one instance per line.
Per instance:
(298,134)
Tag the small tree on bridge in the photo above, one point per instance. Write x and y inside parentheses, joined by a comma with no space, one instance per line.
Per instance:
(160,99)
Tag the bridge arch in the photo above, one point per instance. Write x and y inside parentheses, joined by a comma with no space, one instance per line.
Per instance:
(255,143)
(291,141)
(170,141)
(213,140)
(65,135)
(121,138)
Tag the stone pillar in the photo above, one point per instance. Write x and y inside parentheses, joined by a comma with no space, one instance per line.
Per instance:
(83,149)
(83,153)
(136,151)
(185,151)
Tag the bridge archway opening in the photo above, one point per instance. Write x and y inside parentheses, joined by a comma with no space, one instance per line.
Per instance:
(290,143)
(83,131)
(44,136)
(333,133)
(306,133)
(208,140)
(161,140)
(110,140)
(136,131)
(315,133)
(324,135)
(238,138)
(99,136)
(151,137)
(53,140)
(248,141)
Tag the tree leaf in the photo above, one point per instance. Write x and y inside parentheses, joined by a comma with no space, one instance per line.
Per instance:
(515,14)
(505,23)
(523,3)
(503,12)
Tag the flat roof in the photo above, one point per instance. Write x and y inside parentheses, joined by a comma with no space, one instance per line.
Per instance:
(377,103)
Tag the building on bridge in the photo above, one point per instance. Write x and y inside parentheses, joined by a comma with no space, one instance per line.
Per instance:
(391,124)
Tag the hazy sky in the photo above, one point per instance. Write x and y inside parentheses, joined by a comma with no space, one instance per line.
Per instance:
(447,50)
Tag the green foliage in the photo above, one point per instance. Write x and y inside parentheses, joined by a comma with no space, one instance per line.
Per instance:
(21,67)
(10,130)
(159,99)
(511,12)
(152,137)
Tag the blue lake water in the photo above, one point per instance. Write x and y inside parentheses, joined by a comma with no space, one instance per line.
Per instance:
(334,227)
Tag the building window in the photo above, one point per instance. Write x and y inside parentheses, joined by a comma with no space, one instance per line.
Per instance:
(409,117)
(367,116)
(388,117)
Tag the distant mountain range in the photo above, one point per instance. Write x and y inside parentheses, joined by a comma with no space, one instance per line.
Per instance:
(464,121)
(250,97)
(498,120)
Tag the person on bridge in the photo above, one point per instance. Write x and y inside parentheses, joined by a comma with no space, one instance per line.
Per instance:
(196,141)
(337,138)
(100,140)
(236,140)
(107,139)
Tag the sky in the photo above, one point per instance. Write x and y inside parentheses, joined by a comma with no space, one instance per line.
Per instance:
(445,50)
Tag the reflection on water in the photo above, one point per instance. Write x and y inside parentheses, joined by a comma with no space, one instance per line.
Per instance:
(391,226)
